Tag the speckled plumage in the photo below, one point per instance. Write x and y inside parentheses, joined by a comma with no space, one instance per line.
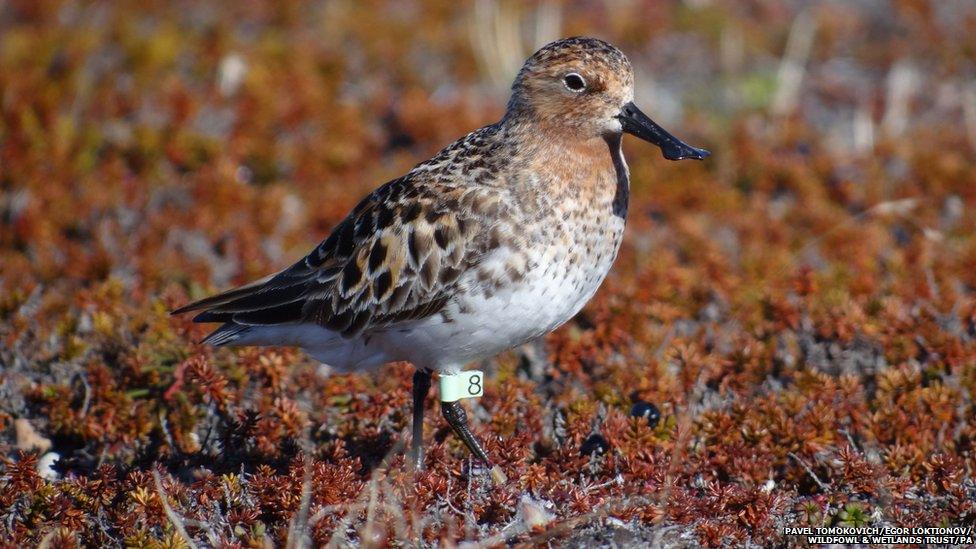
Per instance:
(496,240)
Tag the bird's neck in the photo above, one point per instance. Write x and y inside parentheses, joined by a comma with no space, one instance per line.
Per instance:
(552,142)
(566,163)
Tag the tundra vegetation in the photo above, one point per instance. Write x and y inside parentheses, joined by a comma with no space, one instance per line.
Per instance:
(792,322)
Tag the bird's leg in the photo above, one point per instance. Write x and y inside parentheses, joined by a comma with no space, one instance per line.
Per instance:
(421,386)
(458,420)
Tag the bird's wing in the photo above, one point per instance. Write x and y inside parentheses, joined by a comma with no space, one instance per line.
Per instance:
(396,257)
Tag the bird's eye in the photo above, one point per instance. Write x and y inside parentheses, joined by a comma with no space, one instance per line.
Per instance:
(574,82)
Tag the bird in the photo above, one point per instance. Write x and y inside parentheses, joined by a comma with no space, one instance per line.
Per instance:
(498,239)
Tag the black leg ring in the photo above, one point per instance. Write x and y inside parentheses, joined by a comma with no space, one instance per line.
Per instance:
(457,418)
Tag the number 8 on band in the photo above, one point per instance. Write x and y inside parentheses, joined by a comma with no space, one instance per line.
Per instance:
(474,385)
(469,384)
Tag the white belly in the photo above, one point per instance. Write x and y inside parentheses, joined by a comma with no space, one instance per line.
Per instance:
(481,324)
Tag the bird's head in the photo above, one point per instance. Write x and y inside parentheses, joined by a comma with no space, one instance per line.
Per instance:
(585,86)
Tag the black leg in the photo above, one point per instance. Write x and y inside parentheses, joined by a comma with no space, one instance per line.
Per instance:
(458,420)
(421,386)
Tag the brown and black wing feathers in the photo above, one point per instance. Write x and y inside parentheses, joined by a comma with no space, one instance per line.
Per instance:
(396,257)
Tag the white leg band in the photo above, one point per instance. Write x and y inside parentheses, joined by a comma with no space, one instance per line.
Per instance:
(468,384)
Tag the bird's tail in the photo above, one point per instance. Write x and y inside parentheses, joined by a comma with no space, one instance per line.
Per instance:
(228,333)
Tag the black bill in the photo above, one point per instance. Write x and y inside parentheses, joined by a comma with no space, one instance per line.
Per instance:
(637,123)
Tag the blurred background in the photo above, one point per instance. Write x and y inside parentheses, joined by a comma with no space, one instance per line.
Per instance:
(120,118)
(801,307)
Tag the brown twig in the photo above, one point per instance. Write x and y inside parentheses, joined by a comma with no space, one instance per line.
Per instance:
(174,518)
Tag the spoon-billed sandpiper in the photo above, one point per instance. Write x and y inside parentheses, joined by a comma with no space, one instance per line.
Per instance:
(498,239)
